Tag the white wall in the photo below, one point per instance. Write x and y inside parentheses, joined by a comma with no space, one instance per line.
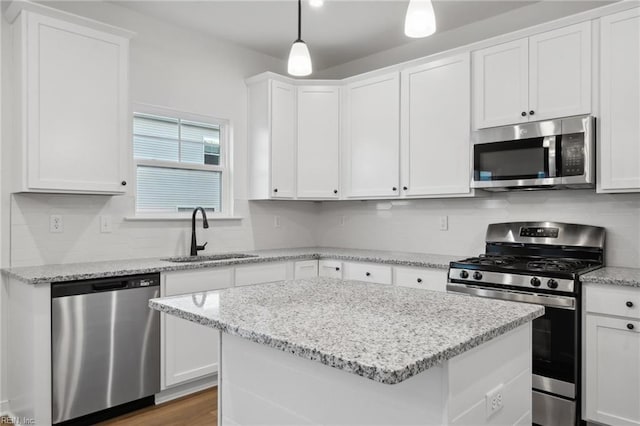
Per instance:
(183,70)
(414,225)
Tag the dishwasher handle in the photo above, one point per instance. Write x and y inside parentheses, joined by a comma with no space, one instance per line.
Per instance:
(101,285)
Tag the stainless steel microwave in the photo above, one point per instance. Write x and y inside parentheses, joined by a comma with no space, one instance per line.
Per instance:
(553,154)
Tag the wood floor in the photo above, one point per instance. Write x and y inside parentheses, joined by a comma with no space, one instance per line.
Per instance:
(199,409)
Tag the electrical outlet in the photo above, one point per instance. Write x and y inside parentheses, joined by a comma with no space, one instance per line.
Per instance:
(494,400)
(56,224)
(444,223)
(276,222)
(105,224)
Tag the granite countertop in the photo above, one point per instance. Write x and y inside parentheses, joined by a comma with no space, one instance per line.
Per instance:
(381,332)
(91,270)
(613,275)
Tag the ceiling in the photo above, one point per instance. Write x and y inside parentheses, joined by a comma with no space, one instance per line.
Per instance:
(338,32)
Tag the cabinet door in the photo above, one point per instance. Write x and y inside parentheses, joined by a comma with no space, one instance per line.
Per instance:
(330,268)
(501,84)
(305,269)
(436,113)
(560,72)
(318,142)
(190,350)
(76,107)
(373,137)
(612,370)
(619,156)
(283,139)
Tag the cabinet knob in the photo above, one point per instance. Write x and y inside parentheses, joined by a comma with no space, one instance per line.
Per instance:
(337,268)
(394,188)
(532,112)
(335,191)
(275,189)
(405,188)
(523,113)
(123,183)
(419,280)
(629,304)
(368,274)
(630,326)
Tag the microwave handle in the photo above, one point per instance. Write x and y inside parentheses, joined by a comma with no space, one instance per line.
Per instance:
(550,141)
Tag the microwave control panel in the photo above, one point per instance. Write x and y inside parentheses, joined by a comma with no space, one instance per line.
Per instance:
(573,154)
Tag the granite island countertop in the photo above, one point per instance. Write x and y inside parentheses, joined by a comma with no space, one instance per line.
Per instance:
(384,333)
(91,270)
(613,275)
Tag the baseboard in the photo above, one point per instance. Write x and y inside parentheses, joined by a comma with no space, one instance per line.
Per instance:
(185,389)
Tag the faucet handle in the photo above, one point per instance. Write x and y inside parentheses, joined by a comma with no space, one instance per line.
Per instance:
(202,246)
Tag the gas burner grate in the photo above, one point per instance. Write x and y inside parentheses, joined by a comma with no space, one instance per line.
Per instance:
(491,260)
(557,265)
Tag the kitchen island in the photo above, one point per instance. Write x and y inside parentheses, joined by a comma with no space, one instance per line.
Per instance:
(328,351)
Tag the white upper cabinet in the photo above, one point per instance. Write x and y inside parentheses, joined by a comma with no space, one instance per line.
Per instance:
(501,84)
(318,142)
(372,137)
(560,72)
(436,114)
(283,139)
(541,77)
(72,109)
(619,155)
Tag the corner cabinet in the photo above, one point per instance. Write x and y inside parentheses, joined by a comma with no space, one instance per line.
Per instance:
(318,163)
(619,155)
(612,355)
(372,137)
(545,76)
(71,104)
(435,147)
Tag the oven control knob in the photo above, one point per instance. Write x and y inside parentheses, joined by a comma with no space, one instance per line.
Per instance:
(552,283)
(535,281)
(464,274)
(477,275)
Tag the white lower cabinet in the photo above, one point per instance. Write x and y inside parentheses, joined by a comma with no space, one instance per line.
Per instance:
(330,268)
(612,355)
(180,362)
(305,269)
(369,272)
(261,273)
(428,279)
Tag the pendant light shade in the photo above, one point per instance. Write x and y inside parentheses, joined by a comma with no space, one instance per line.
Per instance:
(420,21)
(299,58)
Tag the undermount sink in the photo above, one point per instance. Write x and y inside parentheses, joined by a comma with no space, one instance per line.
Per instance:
(209,258)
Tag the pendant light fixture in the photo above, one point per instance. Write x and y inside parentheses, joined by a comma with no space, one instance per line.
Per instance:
(299,58)
(420,21)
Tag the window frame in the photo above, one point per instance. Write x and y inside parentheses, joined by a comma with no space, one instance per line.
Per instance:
(225,166)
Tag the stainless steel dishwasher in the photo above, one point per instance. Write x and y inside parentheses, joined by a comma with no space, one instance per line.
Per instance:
(105,345)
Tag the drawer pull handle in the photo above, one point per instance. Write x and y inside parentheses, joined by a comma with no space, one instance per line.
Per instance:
(629,304)
(368,274)
(337,268)
(419,280)
(630,326)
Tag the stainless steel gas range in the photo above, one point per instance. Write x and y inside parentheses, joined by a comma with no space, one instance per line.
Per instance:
(541,263)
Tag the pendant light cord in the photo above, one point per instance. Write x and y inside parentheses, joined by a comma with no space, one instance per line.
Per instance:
(299,20)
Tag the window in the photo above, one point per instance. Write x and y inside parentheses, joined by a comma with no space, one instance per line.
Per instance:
(181,163)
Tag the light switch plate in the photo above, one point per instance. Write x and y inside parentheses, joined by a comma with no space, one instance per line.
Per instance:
(105,224)
(444,223)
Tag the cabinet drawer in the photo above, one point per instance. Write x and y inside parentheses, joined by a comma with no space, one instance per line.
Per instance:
(330,268)
(428,279)
(185,282)
(369,272)
(261,273)
(612,300)
(305,269)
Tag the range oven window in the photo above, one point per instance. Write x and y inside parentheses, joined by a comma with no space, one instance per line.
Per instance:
(521,159)
(554,350)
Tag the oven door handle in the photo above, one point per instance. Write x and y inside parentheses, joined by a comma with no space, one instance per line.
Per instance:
(553,301)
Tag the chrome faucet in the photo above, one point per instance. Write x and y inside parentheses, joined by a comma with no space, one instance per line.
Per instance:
(205,224)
